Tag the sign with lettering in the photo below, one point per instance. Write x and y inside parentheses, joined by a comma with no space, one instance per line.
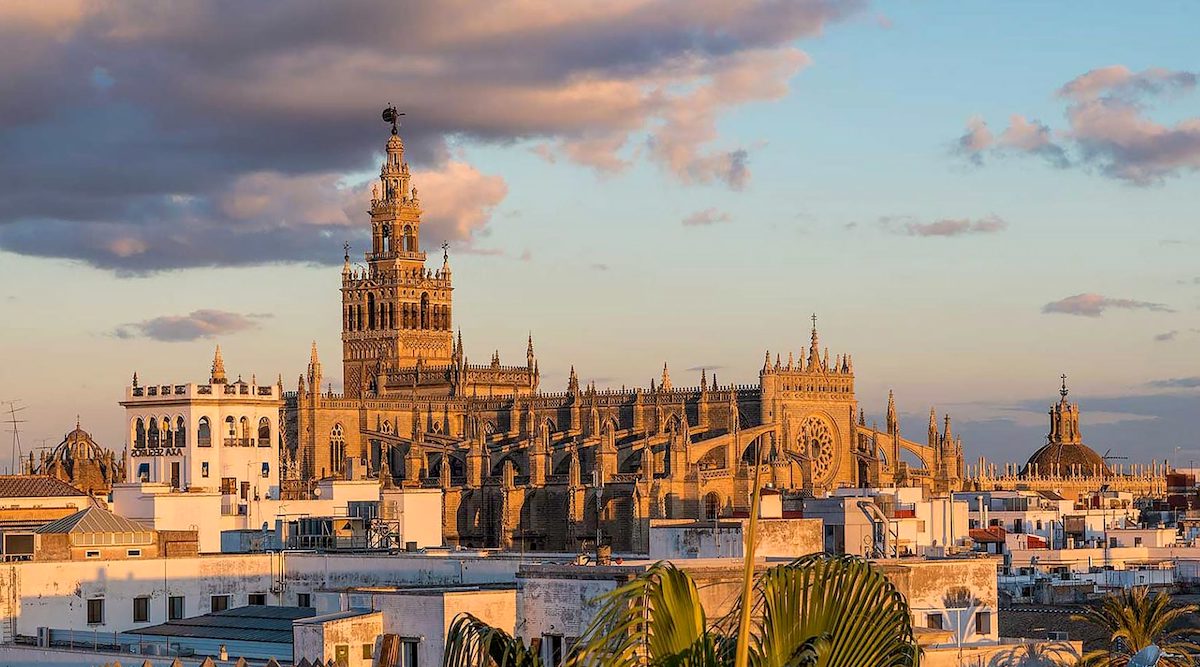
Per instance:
(158,451)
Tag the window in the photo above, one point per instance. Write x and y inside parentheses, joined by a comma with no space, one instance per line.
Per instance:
(174,607)
(712,505)
(933,621)
(266,469)
(219,603)
(552,650)
(1137,541)
(368,651)
(230,429)
(133,553)
(337,448)
(139,438)
(203,433)
(983,623)
(152,434)
(141,610)
(143,472)
(1039,524)
(264,432)
(95,611)
(180,433)
(229,485)
(303,600)
(258,599)
(204,469)
(341,655)
(408,653)
(91,554)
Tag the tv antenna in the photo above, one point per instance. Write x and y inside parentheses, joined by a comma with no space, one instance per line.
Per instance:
(14,427)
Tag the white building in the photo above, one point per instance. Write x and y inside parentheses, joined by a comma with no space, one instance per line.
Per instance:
(217,436)
(889,522)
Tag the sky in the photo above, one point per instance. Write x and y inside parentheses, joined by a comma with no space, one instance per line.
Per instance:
(974,198)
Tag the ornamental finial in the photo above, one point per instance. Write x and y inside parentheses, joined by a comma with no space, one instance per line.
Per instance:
(390,115)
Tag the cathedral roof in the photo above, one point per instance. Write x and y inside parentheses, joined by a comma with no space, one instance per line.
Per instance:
(77,445)
(1061,457)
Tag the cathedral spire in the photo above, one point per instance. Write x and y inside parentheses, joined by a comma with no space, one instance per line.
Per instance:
(529,358)
(314,369)
(218,368)
(893,424)
(933,427)
(665,385)
(814,348)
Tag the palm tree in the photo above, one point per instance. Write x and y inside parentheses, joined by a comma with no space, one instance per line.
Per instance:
(817,611)
(1133,619)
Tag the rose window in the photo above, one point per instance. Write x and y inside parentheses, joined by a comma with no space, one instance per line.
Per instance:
(817,441)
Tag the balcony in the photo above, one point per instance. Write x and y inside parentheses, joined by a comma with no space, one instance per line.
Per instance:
(241,442)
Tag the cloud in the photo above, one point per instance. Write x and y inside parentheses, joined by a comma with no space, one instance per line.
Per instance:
(1166,336)
(1094,305)
(704,367)
(1108,128)
(216,116)
(205,323)
(1176,383)
(945,227)
(598,267)
(709,216)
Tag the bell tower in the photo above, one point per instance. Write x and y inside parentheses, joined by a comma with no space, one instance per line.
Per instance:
(396,313)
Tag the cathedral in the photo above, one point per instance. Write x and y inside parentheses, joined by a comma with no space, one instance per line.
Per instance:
(79,461)
(523,467)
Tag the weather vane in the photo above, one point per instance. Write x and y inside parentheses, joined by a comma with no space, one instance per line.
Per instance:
(346,247)
(1063,391)
(445,251)
(390,115)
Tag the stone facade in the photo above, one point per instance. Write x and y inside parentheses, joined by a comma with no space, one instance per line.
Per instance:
(523,468)
(80,462)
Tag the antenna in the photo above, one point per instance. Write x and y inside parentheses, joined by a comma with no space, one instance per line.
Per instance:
(15,429)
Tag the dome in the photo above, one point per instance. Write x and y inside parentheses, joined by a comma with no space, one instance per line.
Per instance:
(1063,457)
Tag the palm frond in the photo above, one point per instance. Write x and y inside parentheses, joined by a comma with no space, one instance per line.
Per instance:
(656,618)
(472,643)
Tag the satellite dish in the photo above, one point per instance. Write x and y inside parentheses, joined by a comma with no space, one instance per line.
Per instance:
(1147,657)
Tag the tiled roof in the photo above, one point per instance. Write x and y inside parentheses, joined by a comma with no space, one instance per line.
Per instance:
(993,535)
(35,486)
(93,520)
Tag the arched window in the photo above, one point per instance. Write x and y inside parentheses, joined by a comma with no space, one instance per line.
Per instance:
(712,505)
(337,448)
(244,432)
(371,311)
(387,427)
(391,316)
(152,434)
(139,437)
(203,433)
(168,437)
(410,241)
(264,432)
(386,240)
(425,310)
(230,431)
(180,432)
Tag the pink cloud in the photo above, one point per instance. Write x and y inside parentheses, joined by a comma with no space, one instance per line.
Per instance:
(1094,305)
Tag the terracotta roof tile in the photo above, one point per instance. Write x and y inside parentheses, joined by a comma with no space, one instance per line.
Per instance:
(35,486)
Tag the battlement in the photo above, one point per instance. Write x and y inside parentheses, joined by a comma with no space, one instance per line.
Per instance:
(161,393)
